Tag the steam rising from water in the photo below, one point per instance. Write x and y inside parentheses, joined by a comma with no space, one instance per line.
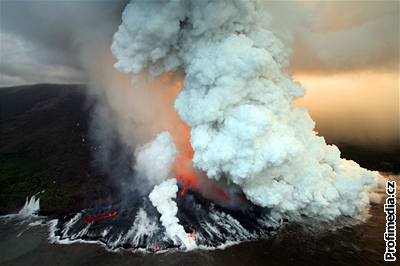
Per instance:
(29,210)
(162,198)
(31,207)
(238,104)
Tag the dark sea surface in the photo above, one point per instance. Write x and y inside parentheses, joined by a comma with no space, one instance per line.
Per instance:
(360,244)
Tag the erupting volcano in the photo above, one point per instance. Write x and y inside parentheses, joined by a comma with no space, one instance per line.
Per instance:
(237,158)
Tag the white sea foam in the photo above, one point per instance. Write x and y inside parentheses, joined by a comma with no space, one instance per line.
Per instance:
(29,211)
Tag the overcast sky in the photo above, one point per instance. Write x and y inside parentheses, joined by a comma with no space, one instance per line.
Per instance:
(340,36)
(39,39)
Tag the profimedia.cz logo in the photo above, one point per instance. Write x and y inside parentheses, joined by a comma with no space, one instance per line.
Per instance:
(390,211)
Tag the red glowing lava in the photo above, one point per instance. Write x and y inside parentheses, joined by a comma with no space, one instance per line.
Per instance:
(155,248)
(221,196)
(183,166)
(167,87)
(186,183)
(92,220)
(165,90)
(191,235)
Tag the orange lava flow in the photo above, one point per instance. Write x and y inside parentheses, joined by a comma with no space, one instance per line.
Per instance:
(183,166)
(191,235)
(220,195)
(168,87)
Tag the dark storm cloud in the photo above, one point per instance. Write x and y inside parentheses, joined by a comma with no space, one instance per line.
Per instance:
(40,40)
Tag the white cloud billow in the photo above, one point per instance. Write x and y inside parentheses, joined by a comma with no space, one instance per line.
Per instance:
(238,103)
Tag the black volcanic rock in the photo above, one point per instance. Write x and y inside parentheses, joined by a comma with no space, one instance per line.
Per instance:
(44,147)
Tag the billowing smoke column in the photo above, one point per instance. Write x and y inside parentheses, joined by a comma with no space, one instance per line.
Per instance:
(162,198)
(154,160)
(238,104)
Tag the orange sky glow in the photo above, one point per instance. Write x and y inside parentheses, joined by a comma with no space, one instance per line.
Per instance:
(364,104)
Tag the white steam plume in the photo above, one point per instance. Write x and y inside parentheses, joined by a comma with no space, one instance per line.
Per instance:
(238,103)
(162,197)
(29,210)
(154,160)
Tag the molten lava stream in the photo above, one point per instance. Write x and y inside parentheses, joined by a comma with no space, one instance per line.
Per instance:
(183,166)
(170,85)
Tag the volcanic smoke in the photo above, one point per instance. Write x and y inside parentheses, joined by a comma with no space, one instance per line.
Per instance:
(237,104)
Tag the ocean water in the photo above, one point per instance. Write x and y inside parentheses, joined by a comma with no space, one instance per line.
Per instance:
(27,243)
